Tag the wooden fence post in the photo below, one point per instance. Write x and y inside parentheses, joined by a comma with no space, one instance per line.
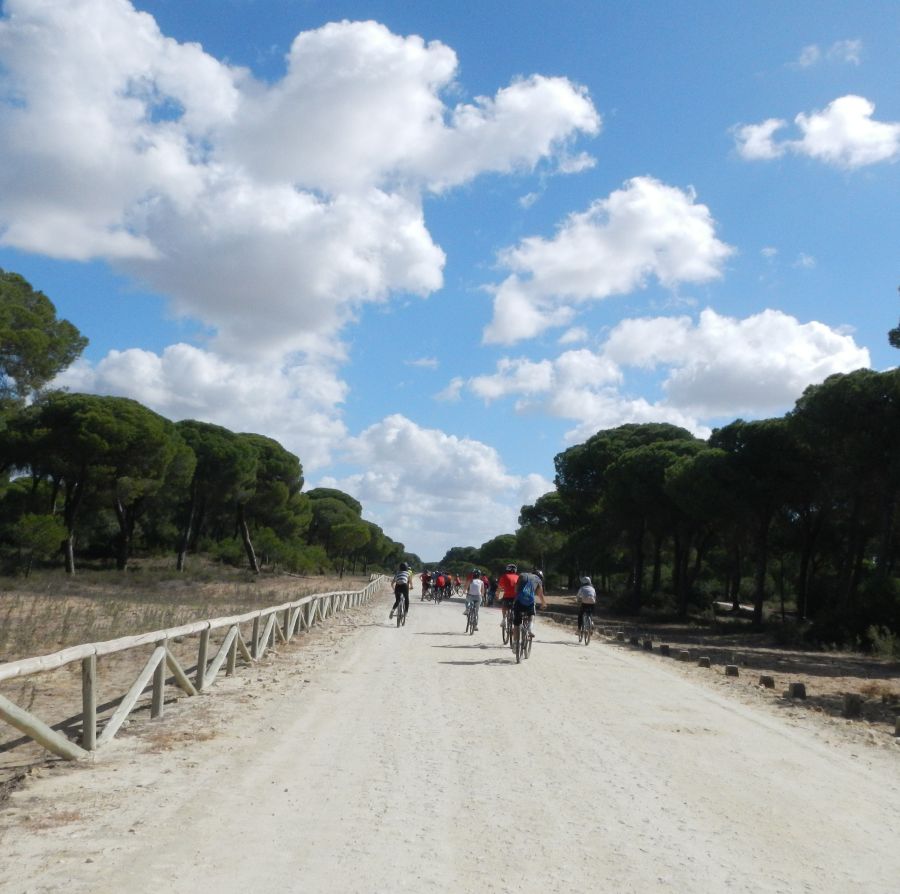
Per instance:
(202,651)
(159,684)
(232,654)
(254,645)
(89,702)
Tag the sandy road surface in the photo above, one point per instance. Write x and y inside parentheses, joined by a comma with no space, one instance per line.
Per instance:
(424,760)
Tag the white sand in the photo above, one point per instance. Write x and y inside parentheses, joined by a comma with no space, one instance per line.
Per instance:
(373,759)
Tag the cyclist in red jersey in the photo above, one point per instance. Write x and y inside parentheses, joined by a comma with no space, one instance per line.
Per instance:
(507,583)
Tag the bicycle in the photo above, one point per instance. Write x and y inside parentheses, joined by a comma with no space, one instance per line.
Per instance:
(471,618)
(524,640)
(401,612)
(587,628)
(507,627)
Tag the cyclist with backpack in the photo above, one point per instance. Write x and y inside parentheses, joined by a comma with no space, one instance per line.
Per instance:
(529,587)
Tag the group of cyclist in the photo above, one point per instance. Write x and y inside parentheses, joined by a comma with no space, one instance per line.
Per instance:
(520,592)
(439,584)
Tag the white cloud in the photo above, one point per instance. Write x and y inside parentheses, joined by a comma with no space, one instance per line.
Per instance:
(755,141)
(713,367)
(573,335)
(644,229)
(849,51)
(269,211)
(841,51)
(430,489)
(452,393)
(805,261)
(769,252)
(296,404)
(809,56)
(844,134)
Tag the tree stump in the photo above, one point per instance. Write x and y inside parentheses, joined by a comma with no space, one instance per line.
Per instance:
(767,681)
(620,637)
(852,705)
(684,655)
(797,690)
(648,645)
(703,662)
(731,670)
(664,649)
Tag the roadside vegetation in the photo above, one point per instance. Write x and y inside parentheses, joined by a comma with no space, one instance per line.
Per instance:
(98,481)
(791,521)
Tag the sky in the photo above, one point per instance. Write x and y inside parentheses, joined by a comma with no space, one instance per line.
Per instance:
(428,246)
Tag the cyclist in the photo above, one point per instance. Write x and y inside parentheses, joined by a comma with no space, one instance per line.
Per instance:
(474,593)
(401,588)
(587,599)
(528,588)
(507,584)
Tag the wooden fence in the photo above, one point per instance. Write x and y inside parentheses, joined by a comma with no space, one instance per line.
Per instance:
(279,622)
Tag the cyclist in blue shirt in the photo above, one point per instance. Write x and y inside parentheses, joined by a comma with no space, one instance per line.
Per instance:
(529,587)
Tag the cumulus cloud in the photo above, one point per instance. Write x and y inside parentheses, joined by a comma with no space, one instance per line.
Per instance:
(844,134)
(430,489)
(269,211)
(645,229)
(296,404)
(712,367)
(424,362)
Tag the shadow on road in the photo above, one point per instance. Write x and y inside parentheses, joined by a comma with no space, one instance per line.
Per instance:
(496,661)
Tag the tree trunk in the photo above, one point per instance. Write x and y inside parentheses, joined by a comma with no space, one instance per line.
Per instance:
(657,564)
(638,569)
(187,532)
(762,562)
(245,536)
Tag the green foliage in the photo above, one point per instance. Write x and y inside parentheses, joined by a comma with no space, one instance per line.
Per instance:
(34,344)
(37,537)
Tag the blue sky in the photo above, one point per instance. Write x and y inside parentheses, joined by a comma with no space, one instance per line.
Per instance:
(429,250)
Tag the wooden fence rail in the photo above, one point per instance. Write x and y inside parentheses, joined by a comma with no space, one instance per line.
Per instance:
(276,622)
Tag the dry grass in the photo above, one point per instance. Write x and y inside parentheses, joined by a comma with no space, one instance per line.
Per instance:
(48,612)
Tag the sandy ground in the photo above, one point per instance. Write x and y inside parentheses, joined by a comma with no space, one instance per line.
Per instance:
(374,759)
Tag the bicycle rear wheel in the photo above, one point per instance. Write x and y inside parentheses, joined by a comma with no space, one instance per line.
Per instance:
(525,636)
(588,630)
(518,646)
(505,628)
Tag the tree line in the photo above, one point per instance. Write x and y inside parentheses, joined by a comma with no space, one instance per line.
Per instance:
(100,477)
(797,514)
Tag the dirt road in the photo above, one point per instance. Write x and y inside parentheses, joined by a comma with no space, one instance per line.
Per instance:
(382,760)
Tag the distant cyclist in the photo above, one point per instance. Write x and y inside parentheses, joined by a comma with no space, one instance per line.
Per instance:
(474,593)
(587,599)
(529,587)
(401,588)
(426,583)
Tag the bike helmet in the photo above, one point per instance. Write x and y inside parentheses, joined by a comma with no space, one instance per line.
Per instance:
(539,573)
(404,566)
(512,568)
(476,572)
(585,581)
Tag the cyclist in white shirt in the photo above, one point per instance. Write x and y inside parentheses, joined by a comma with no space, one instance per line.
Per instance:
(475,591)
(587,599)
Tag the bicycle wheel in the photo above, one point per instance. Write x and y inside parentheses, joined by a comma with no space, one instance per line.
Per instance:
(400,613)
(588,630)
(505,628)
(468,622)
(525,636)
(404,619)
(518,646)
